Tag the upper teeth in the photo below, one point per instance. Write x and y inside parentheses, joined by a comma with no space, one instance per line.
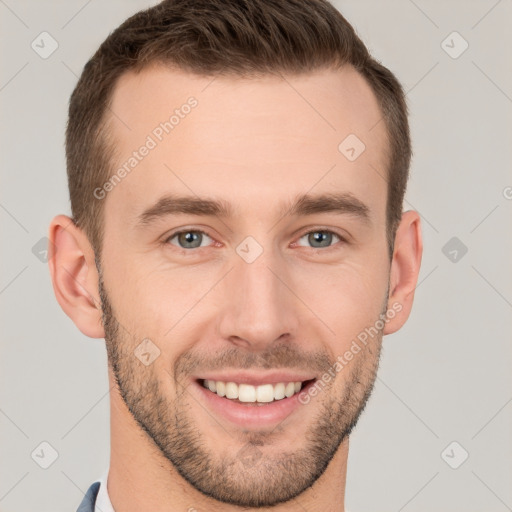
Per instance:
(248,393)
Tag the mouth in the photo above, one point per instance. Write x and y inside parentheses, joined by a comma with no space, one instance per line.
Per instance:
(248,394)
(252,407)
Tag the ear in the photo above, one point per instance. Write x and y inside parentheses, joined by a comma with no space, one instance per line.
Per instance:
(405,268)
(74,275)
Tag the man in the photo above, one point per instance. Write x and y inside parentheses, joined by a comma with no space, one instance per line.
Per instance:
(236,174)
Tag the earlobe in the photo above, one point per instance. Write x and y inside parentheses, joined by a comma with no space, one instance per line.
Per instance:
(74,275)
(405,269)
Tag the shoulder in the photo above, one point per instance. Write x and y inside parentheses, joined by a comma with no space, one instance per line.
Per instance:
(89,500)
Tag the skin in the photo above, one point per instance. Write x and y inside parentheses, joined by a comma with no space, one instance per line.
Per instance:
(256,144)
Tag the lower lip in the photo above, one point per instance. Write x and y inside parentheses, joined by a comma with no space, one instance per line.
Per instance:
(250,415)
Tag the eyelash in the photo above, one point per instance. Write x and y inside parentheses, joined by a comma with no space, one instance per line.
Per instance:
(342,240)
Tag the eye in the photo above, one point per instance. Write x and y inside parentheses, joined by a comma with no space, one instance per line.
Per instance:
(320,238)
(189,239)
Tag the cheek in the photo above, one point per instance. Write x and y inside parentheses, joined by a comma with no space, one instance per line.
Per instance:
(347,298)
(132,293)
(161,303)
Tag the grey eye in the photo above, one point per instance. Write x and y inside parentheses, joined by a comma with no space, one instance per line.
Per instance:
(320,238)
(191,239)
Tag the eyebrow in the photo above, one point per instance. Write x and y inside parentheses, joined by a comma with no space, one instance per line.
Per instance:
(302,205)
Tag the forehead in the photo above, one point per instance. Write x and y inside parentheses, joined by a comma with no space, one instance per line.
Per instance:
(245,140)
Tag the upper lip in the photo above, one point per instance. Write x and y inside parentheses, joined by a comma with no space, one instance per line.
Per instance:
(257,379)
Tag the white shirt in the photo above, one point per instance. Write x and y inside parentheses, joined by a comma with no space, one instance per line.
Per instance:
(103,503)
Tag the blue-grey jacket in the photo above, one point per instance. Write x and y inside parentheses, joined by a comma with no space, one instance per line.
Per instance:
(89,500)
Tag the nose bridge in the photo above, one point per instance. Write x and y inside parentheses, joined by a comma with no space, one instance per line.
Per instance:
(258,307)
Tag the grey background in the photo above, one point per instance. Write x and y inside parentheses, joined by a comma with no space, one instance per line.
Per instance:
(444,377)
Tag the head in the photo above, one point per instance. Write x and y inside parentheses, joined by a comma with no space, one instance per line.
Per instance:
(237,173)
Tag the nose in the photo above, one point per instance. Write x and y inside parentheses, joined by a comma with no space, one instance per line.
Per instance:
(259,308)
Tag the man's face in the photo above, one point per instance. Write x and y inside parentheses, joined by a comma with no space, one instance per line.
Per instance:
(270,292)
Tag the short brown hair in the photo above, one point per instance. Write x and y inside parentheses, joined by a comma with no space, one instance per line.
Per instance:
(214,37)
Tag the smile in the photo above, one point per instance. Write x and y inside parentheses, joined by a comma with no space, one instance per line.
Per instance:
(246,393)
(251,406)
